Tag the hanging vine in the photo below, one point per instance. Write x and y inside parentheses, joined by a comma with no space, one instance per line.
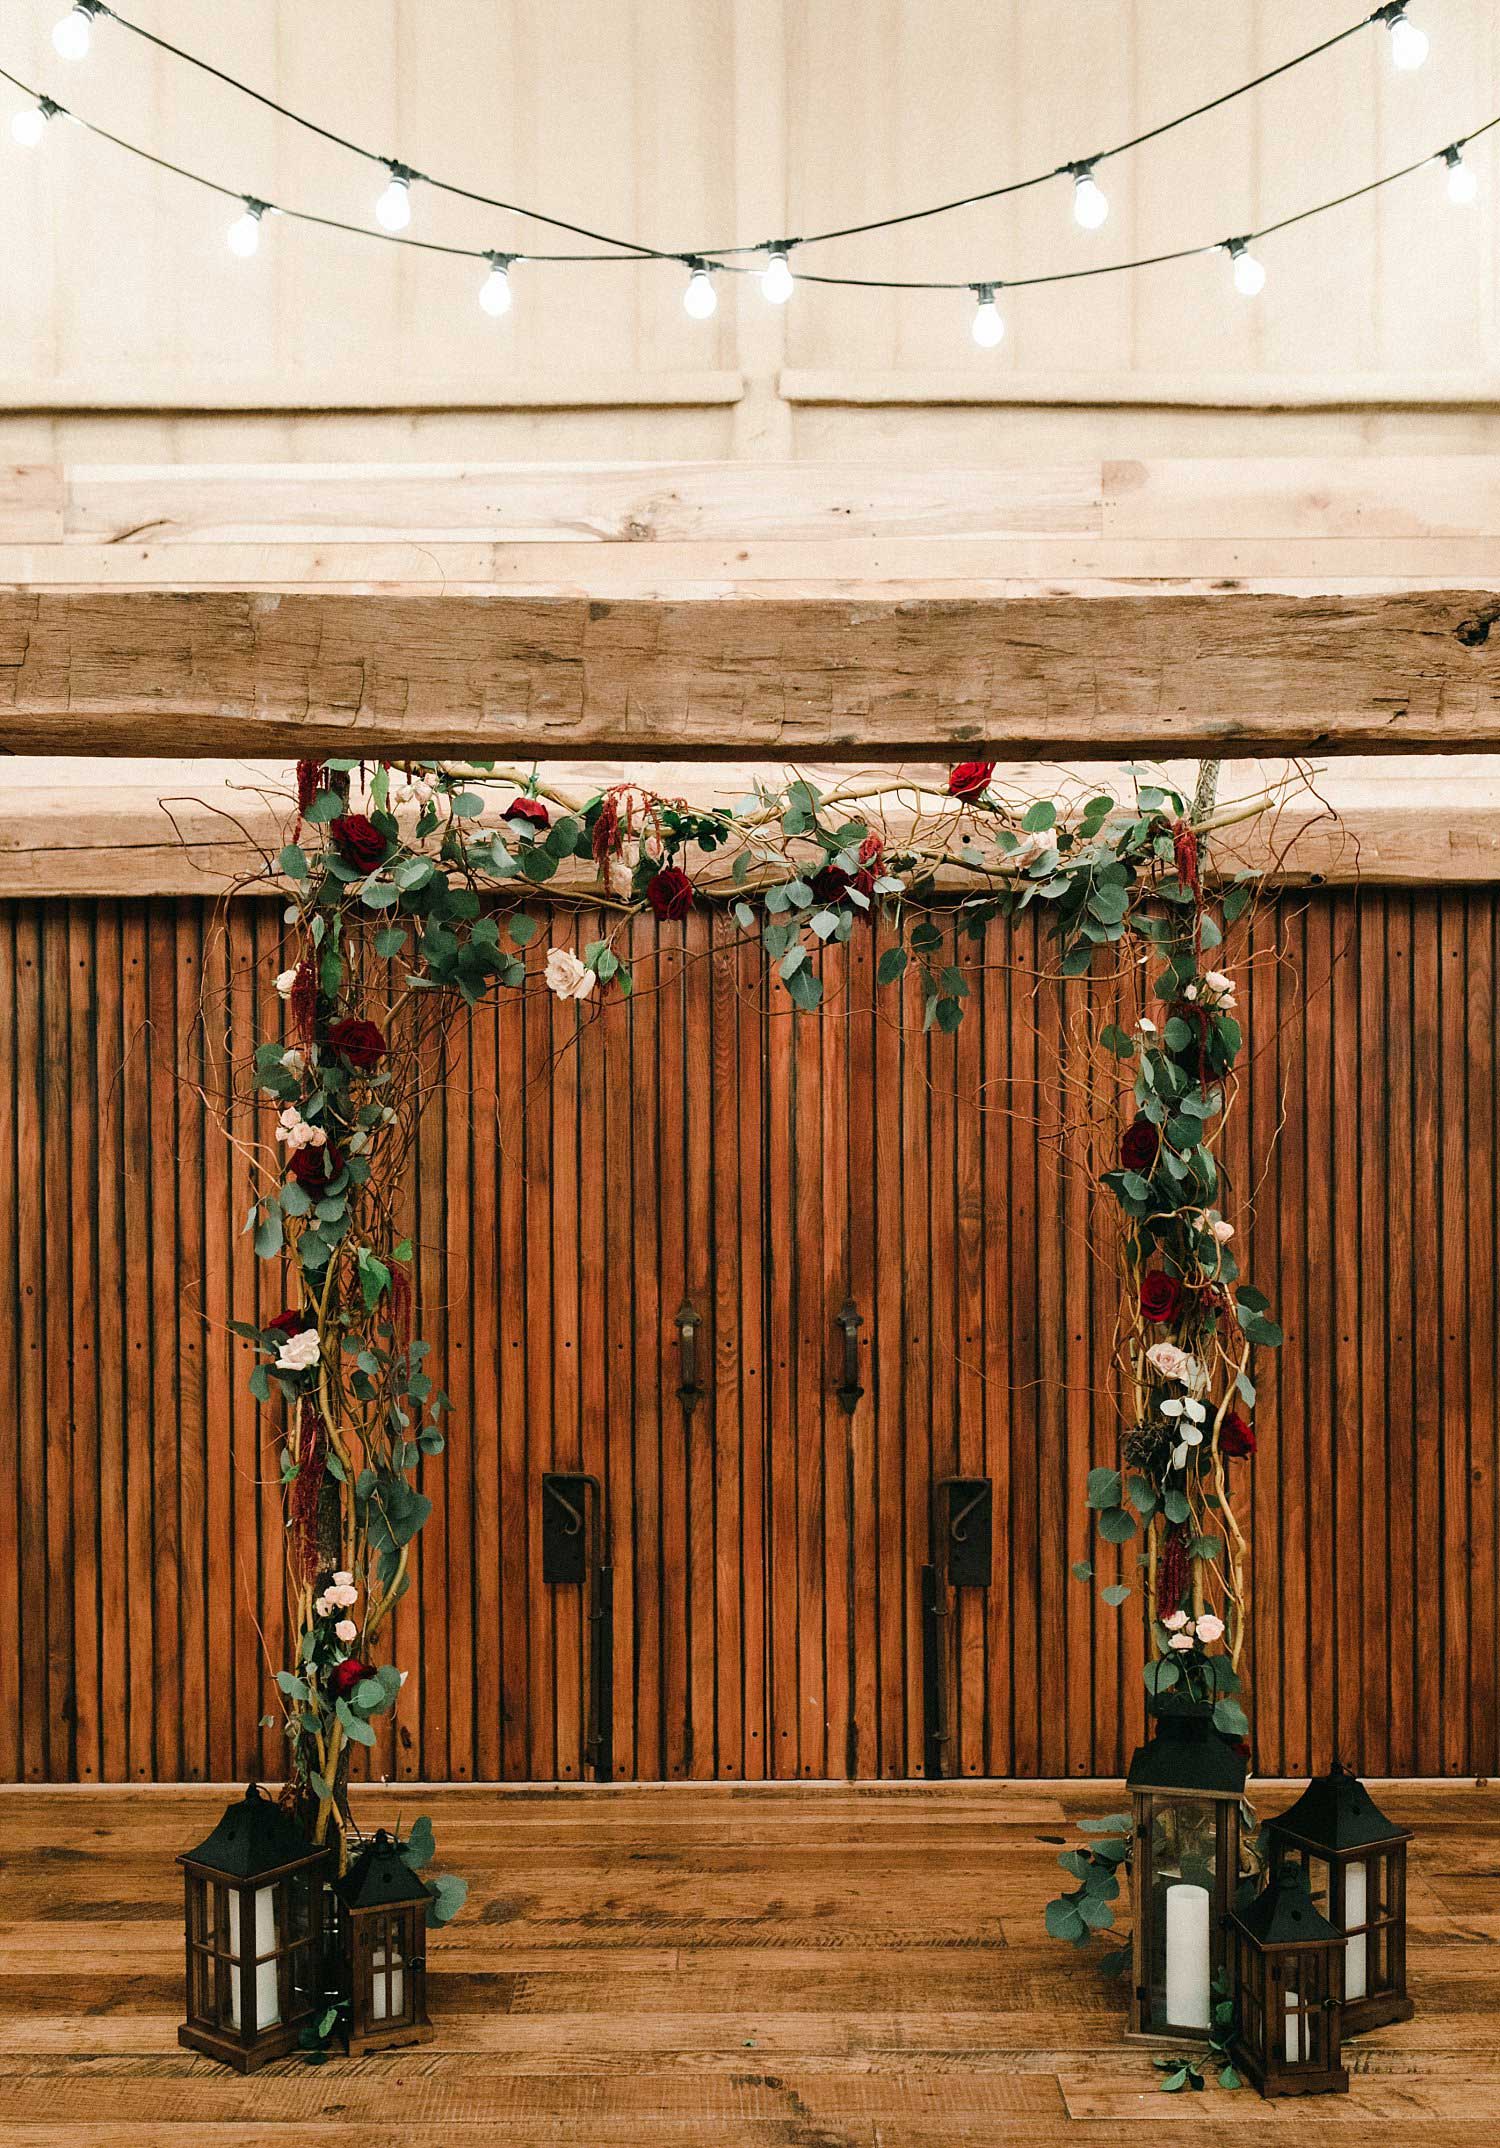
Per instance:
(407,907)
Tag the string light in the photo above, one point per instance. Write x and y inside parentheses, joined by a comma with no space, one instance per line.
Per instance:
(393,209)
(1249,274)
(494,292)
(1409,45)
(1090,202)
(1463,180)
(777,281)
(30,123)
(987,328)
(72,36)
(700,299)
(244,233)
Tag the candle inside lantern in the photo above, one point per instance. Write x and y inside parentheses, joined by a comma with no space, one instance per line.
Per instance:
(1188,1962)
(1293,2031)
(393,2005)
(267,2003)
(1357,1947)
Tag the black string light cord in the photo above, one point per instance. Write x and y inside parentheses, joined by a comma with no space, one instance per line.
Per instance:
(717,254)
(991,283)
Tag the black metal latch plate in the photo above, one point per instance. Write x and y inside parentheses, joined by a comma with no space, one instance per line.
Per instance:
(565,1536)
(967,1518)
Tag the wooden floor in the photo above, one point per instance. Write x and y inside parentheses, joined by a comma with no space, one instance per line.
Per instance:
(806,1967)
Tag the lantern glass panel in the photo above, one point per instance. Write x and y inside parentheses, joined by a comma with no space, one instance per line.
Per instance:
(1184,1865)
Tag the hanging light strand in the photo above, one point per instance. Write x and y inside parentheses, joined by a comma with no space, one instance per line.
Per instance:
(701,298)
(1408,47)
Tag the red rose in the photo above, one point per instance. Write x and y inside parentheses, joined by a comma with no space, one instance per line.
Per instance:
(1139,1147)
(529,810)
(970,780)
(830,883)
(1235,1436)
(348,1674)
(293,1321)
(358,1042)
(1161,1296)
(358,841)
(670,893)
(312,1168)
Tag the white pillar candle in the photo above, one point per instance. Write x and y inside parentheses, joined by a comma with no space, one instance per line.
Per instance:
(397,1987)
(1188,1965)
(1356,1948)
(267,2002)
(1293,2031)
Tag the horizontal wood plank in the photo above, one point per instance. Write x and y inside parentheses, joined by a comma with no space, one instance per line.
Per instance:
(1071,674)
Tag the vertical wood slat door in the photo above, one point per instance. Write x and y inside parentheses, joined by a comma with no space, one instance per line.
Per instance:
(576,1184)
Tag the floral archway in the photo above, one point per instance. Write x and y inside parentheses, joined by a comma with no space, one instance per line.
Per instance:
(407,888)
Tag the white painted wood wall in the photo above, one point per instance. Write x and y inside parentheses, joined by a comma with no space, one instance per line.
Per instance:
(128,333)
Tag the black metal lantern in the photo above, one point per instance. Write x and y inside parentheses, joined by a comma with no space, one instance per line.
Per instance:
(1355,1861)
(1185,1785)
(254,1912)
(1287,1969)
(383,1948)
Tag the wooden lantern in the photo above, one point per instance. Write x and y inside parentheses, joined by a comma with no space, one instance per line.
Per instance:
(1287,1971)
(1185,1786)
(255,1891)
(1355,1861)
(383,1948)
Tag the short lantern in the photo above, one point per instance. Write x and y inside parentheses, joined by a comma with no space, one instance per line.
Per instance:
(382,1907)
(255,1890)
(1287,1973)
(1355,1861)
(1185,1786)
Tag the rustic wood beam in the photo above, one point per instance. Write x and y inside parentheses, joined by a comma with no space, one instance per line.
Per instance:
(1083,671)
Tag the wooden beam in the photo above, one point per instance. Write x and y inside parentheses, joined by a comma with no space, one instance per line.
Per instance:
(1082,671)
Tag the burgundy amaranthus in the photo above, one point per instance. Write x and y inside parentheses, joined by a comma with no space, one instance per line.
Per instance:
(1172,1572)
(307,1488)
(304,1003)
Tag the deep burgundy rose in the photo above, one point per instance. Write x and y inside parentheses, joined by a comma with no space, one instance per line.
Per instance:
(1139,1147)
(293,1321)
(529,810)
(347,1675)
(970,780)
(1161,1296)
(358,841)
(358,1042)
(1235,1436)
(313,1168)
(670,893)
(829,884)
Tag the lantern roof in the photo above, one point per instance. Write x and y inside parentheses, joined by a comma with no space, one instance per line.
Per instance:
(1336,1812)
(1284,1914)
(254,1836)
(1185,1752)
(380,1877)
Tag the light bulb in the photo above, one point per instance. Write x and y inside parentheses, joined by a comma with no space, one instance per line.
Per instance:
(1409,45)
(988,328)
(700,299)
(244,232)
(393,210)
(1463,180)
(30,124)
(72,36)
(1090,202)
(1249,274)
(778,282)
(494,292)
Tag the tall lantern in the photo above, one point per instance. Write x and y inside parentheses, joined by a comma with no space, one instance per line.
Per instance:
(254,1934)
(1288,1974)
(1185,1786)
(383,1948)
(1355,1861)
